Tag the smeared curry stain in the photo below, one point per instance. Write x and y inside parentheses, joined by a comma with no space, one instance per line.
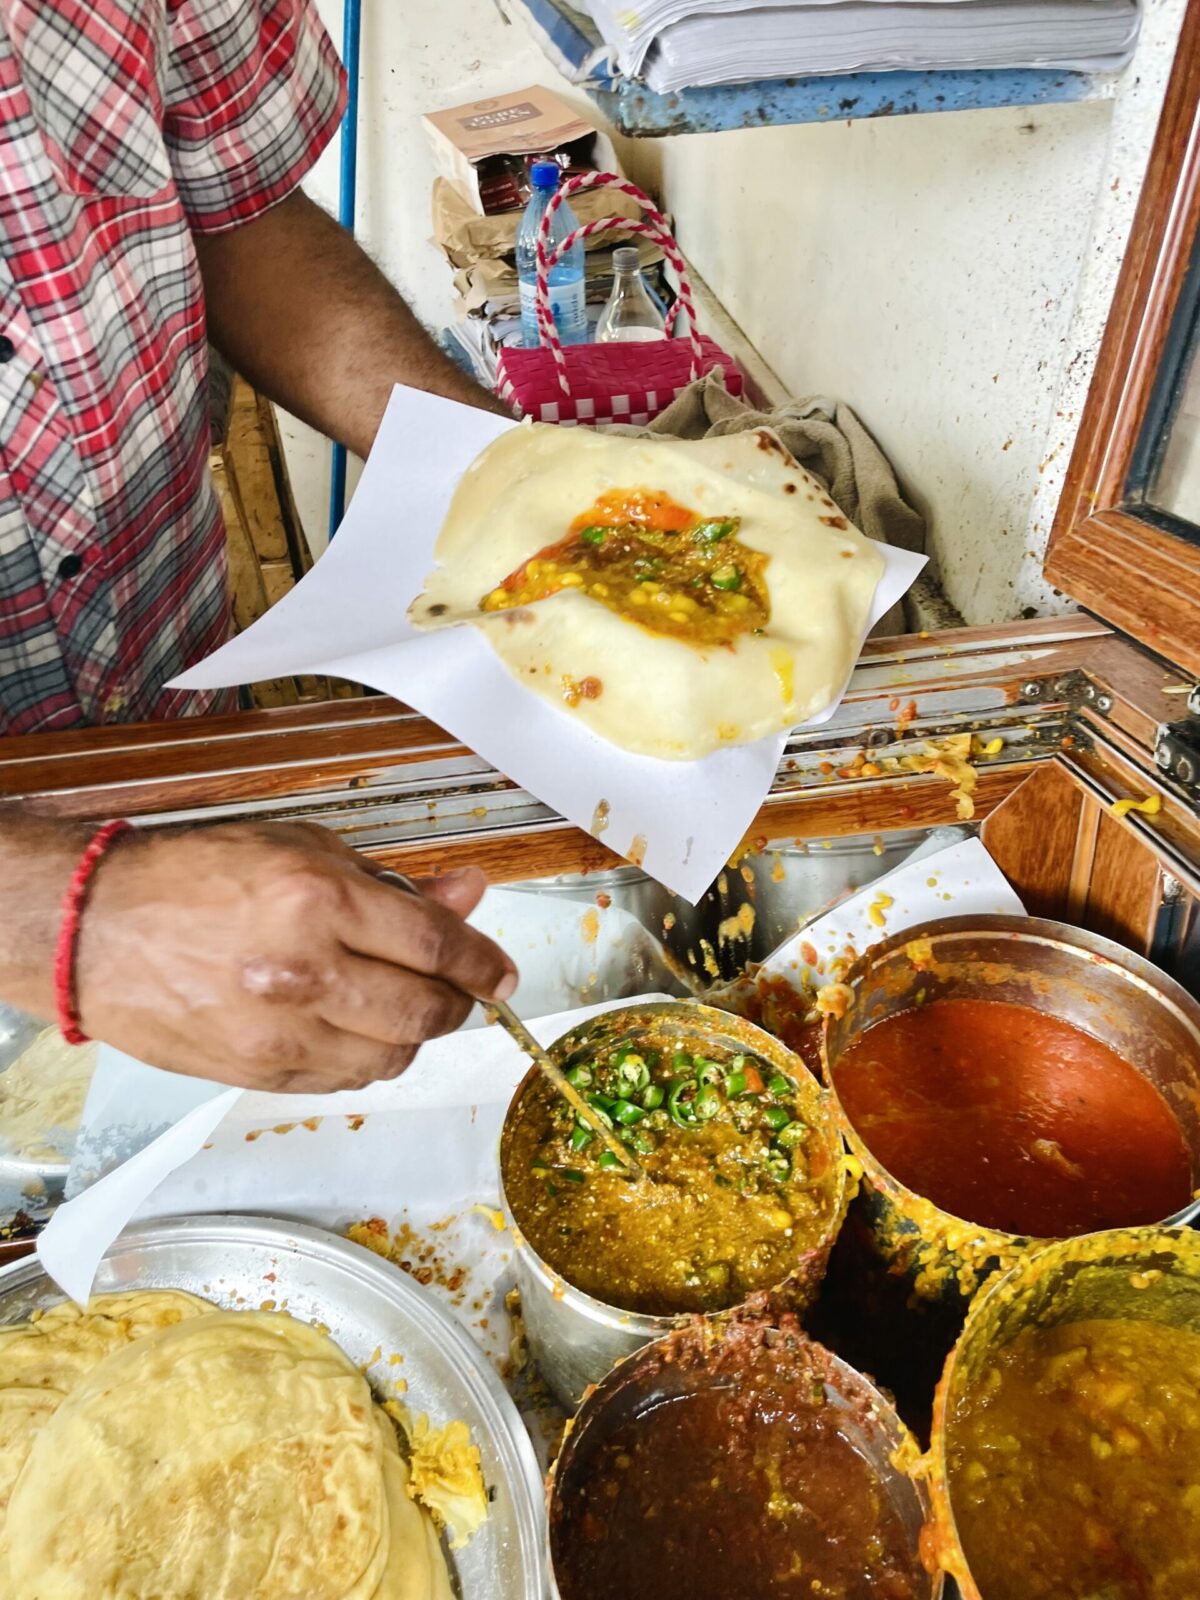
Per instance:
(653,562)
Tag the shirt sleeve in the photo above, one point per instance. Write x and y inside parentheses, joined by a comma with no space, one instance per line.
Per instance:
(255,92)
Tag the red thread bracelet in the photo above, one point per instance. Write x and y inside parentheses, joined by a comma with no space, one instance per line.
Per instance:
(68,933)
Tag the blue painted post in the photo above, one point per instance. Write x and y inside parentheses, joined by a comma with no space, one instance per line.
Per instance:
(351,31)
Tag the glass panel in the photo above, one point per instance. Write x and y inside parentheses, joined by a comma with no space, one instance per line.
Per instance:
(1175,484)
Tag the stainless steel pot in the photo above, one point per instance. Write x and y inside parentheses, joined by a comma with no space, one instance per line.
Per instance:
(1098,986)
(574,1338)
(715,1351)
(1144,1274)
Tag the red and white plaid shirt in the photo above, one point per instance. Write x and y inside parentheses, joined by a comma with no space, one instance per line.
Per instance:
(126,125)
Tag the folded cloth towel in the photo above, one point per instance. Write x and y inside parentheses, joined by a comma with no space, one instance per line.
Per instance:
(826,438)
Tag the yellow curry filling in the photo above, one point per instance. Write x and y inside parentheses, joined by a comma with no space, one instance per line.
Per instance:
(653,562)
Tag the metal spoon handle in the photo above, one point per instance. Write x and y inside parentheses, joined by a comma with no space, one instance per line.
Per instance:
(500,1011)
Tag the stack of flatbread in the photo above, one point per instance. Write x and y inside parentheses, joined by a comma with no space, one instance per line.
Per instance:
(155,1445)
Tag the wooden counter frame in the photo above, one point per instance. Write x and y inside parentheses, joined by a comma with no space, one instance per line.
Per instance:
(405,792)
(1105,551)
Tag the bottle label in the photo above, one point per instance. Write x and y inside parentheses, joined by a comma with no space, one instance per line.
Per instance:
(566,305)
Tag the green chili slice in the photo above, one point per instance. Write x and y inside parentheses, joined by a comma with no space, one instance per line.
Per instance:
(681,1061)
(626,1113)
(638,1139)
(653,1096)
(727,577)
(633,1074)
(775,1117)
(594,535)
(710,532)
(608,1161)
(791,1135)
(580,1077)
(680,1098)
(603,1108)
(709,1071)
(779,1167)
(570,1175)
(581,1137)
(735,1084)
(780,1086)
(707,1102)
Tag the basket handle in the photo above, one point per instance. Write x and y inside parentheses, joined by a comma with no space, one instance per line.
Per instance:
(655,227)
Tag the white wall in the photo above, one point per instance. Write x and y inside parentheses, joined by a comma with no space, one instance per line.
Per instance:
(946,275)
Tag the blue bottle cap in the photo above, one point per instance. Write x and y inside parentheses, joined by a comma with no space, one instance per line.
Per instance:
(545,174)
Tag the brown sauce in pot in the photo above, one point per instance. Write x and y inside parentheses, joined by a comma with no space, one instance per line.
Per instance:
(741,1487)
(1013,1119)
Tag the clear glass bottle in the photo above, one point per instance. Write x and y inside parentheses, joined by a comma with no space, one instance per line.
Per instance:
(630,315)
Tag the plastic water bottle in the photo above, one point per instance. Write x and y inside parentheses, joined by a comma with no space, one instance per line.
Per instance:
(631,315)
(566,279)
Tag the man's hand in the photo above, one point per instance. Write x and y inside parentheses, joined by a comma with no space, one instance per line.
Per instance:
(271,957)
(305,315)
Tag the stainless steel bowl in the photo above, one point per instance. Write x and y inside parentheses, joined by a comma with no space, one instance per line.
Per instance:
(31,1186)
(372,1310)
(574,1338)
(657,1373)
(1091,982)
(1143,1274)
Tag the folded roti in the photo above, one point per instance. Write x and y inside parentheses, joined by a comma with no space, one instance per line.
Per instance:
(212,1456)
(674,596)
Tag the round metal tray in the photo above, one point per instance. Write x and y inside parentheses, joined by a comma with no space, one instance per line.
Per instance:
(367,1305)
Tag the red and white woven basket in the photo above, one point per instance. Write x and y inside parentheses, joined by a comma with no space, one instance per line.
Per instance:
(598,383)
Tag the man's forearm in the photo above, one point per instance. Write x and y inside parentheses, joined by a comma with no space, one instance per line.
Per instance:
(37,859)
(302,312)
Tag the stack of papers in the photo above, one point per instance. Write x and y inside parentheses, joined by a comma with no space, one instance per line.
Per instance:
(679,44)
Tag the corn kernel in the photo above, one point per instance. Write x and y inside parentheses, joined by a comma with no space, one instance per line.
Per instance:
(638,597)
(678,616)
(600,590)
(571,580)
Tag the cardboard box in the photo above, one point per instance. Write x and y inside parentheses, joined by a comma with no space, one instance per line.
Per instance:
(482,147)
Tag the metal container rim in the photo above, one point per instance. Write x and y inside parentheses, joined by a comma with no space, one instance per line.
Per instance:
(599,1394)
(1115,1245)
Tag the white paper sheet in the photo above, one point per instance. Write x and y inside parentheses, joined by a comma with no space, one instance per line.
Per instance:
(347,617)
(430,1134)
(959,881)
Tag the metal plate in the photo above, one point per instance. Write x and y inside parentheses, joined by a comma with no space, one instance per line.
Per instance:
(366,1304)
(28,1184)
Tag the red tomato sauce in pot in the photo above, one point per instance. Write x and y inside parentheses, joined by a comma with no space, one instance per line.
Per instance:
(1015,1120)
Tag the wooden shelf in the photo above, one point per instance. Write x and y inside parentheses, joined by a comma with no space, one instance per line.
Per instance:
(576,48)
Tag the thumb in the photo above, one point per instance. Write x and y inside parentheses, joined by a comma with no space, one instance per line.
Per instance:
(459,891)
